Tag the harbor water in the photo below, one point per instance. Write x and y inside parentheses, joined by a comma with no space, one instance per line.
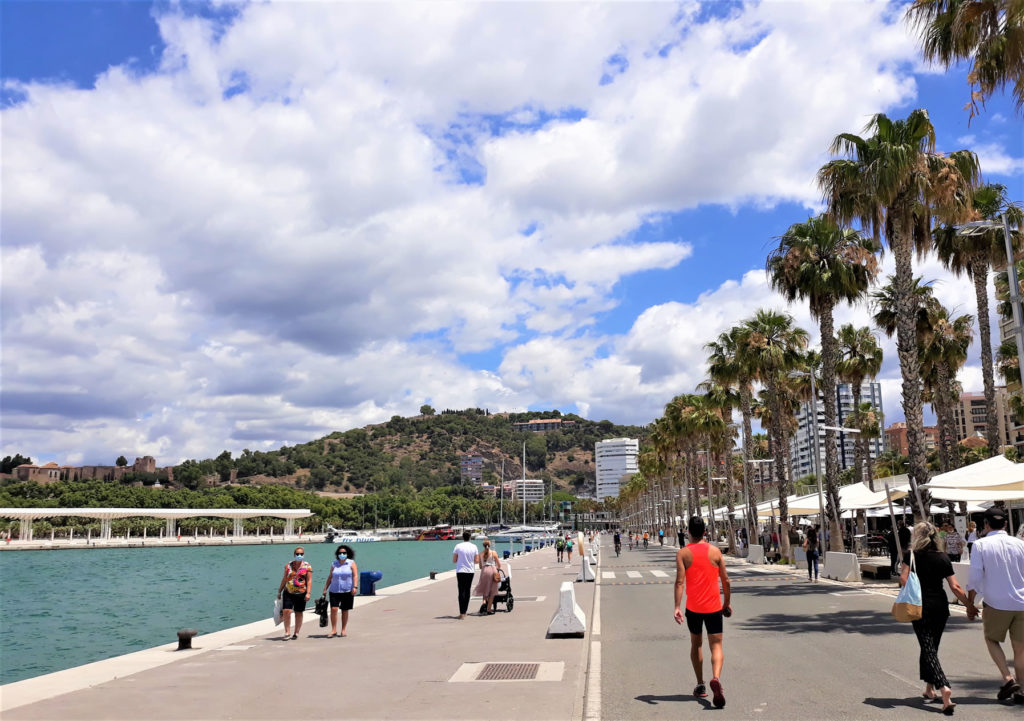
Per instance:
(65,608)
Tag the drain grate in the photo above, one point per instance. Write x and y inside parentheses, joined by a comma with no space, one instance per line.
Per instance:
(508,672)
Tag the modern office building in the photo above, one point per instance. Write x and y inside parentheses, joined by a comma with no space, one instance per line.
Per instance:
(614,458)
(970,418)
(533,489)
(802,449)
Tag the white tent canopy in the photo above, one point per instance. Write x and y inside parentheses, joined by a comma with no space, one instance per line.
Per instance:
(995,474)
(977,496)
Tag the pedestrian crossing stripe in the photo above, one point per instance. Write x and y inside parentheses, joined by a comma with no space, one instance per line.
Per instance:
(607,574)
(659,574)
(634,574)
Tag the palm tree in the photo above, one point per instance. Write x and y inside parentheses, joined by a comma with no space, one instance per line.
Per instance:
(771,346)
(725,368)
(893,180)
(972,254)
(988,33)
(724,399)
(943,353)
(825,264)
(860,358)
(869,422)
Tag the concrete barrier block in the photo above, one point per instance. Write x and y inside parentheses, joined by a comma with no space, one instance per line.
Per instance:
(800,557)
(841,566)
(568,619)
(755,554)
(586,572)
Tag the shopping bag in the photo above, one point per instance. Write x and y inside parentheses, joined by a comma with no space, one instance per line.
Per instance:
(320,608)
(908,602)
(277,612)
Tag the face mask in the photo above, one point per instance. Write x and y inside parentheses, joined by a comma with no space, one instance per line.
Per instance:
(342,556)
(299,556)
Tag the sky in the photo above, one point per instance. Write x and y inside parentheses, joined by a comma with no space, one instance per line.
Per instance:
(234,226)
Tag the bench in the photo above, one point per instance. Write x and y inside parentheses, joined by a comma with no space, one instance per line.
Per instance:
(877,569)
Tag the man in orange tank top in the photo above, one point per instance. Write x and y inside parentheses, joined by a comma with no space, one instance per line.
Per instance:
(700,569)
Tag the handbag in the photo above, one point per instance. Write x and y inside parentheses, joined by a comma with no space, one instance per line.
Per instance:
(320,608)
(277,612)
(908,603)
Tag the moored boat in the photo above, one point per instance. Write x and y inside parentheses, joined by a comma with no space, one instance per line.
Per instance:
(443,532)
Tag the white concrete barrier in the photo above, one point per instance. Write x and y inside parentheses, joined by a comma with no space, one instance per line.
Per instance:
(568,619)
(801,556)
(962,571)
(755,554)
(841,566)
(586,572)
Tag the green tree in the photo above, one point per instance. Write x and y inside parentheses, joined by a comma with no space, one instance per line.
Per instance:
(973,252)
(426,410)
(986,33)
(860,357)
(121,462)
(825,264)
(9,463)
(893,181)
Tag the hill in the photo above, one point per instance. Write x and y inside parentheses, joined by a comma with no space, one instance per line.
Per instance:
(421,452)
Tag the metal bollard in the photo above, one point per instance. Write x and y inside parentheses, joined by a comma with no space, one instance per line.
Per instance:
(185,638)
(433,575)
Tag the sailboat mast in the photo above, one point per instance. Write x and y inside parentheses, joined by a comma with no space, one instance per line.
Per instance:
(501,502)
(524,483)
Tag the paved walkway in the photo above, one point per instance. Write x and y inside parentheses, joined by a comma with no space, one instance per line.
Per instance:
(403,651)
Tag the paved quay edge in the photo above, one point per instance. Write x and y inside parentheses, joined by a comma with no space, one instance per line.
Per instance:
(58,683)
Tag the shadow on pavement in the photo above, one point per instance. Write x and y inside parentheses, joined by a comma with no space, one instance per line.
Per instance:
(675,698)
(868,623)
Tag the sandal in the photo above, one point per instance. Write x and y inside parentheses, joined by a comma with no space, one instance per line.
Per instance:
(700,691)
(948,710)
(1009,688)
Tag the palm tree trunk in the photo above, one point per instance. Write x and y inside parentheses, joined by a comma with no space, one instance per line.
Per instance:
(751,520)
(939,402)
(950,395)
(828,392)
(860,444)
(979,269)
(910,365)
(730,503)
(780,470)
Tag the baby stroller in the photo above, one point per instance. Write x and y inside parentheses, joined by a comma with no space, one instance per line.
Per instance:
(504,594)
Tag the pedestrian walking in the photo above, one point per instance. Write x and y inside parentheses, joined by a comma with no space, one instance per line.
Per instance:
(997,573)
(487,587)
(661,536)
(775,541)
(568,550)
(954,543)
(343,587)
(465,559)
(932,567)
(700,569)
(293,591)
(811,546)
(559,550)
(972,535)
(890,543)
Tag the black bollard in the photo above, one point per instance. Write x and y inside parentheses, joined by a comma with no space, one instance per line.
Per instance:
(433,575)
(185,638)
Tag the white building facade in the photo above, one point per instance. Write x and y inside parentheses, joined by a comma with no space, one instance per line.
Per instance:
(531,488)
(614,458)
(802,449)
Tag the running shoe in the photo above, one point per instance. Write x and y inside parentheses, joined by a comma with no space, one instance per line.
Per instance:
(716,689)
(700,691)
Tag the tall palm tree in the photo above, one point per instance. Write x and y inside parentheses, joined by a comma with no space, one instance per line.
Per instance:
(825,264)
(944,352)
(724,399)
(726,368)
(868,421)
(860,357)
(988,33)
(771,345)
(973,253)
(892,180)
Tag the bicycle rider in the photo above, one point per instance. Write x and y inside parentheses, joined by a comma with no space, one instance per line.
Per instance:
(618,543)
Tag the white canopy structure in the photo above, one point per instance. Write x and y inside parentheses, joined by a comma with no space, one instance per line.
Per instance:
(106,515)
(994,479)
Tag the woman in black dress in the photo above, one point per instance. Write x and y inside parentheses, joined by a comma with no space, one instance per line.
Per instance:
(932,567)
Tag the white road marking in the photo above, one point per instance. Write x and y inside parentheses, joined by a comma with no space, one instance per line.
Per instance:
(634,574)
(607,574)
(896,676)
(659,574)
(593,701)
(595,627)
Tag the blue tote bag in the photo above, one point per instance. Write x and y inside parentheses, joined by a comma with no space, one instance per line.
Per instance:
(908,602)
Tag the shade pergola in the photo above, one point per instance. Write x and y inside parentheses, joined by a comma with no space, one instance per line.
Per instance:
(106,515)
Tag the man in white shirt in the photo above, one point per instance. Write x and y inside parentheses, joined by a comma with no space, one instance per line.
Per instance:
(464,558)
(997,573)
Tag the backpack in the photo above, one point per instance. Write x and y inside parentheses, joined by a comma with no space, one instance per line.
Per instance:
(560,545)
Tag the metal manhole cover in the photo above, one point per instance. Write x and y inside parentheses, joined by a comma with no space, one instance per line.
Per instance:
(508,672)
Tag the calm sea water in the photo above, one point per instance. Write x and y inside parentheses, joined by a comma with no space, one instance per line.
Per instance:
(61,609)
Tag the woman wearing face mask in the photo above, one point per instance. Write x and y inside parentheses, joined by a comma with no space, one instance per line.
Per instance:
(296,584)
(342,584)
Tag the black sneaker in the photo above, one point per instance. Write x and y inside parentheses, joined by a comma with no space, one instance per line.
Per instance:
(700,691)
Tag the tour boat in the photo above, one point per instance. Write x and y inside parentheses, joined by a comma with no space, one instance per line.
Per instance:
(437,533)
(335,535)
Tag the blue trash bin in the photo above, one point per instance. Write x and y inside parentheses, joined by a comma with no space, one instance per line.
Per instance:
(506,554)
(529,547)
(368,582)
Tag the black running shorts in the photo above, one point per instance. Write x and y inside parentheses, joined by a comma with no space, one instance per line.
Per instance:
(696,621)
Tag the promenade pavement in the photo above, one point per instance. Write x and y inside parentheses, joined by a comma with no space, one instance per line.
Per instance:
(405,647)
(793,650)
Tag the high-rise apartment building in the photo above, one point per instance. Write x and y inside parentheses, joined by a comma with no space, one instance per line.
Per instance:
(802,448)
(471,469)
(615,458)
(970,418)
(531,488)
(896,438)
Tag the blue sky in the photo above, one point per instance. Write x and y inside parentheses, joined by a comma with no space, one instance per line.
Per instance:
(244,226)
